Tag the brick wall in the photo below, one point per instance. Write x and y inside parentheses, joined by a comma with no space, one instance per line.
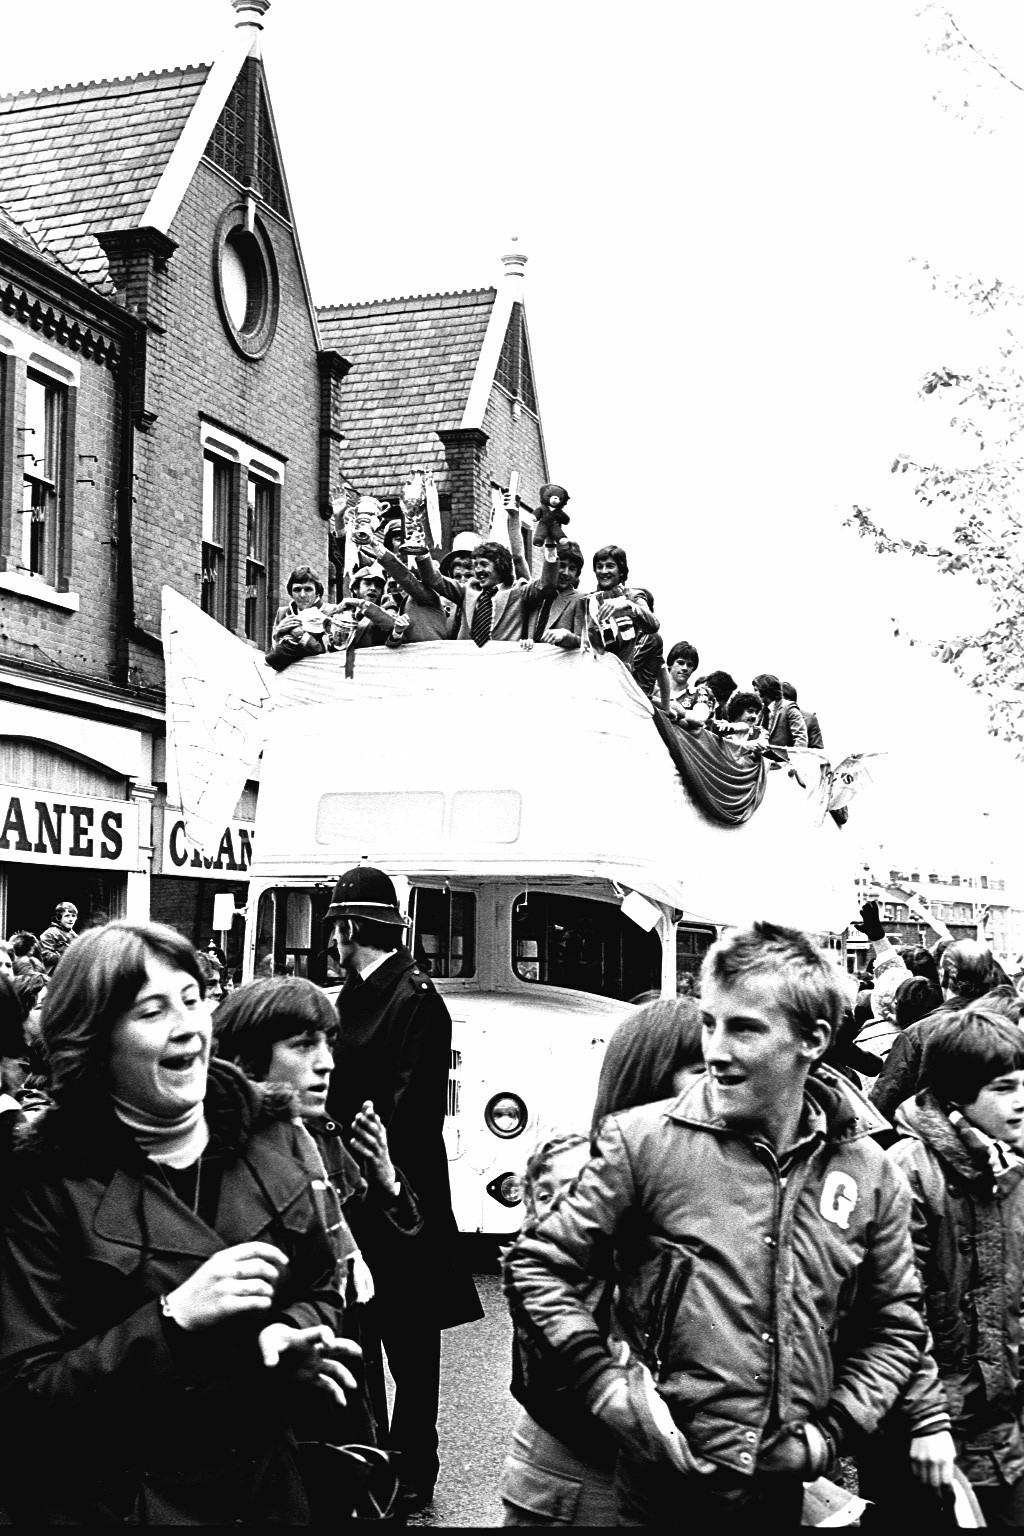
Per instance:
(194,370)
(80,643)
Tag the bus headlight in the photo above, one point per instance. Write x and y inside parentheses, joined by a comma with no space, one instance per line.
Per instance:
(507,1189)
(505,1115)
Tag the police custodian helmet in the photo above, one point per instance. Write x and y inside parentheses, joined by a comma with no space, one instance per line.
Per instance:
(366,892)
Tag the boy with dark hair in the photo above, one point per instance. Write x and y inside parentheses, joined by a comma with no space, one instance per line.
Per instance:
(960,1148)
(300,626)
(617,613)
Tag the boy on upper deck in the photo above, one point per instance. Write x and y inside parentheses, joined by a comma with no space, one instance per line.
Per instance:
(301,626)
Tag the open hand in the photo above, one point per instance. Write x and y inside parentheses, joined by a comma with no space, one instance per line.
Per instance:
(370,1141)
(311,1355)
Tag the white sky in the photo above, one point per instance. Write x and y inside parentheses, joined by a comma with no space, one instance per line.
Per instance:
(720,204)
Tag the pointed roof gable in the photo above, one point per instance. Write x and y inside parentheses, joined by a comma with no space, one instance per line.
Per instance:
(77,159)
(414,361)
(13,232)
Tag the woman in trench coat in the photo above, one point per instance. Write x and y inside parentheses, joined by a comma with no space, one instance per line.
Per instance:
(169,1319)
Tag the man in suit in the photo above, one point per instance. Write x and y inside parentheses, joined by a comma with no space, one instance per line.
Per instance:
(814,738)
(492,609)
(394,1048)
(783,721)
(557,615)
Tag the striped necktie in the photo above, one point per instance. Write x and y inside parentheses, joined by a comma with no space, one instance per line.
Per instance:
(480,624)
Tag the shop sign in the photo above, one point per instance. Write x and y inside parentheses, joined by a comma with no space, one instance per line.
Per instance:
(46,827)
(180,857)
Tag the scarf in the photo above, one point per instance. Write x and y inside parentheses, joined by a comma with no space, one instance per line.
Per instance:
(178,1143)
(1001,1157)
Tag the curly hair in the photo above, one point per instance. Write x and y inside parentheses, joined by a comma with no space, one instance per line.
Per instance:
(500,558)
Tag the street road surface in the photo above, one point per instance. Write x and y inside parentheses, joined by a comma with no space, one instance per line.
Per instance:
(477,1411)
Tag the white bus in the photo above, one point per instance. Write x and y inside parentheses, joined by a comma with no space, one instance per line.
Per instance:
(518,798)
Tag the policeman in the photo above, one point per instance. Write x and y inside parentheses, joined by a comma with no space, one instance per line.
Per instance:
(394,1047)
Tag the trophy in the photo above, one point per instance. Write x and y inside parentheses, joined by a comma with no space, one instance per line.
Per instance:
(414,511)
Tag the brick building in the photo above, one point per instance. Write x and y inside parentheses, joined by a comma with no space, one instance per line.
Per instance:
(158,343)
(446,382)
(173,413)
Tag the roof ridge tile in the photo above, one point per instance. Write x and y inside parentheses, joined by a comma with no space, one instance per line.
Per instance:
(409,298)
(33,96)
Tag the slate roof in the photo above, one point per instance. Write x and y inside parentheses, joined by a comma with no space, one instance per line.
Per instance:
(413,362)
(12,231)
(87,157)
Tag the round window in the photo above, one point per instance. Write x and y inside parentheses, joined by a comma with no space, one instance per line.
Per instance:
(246,282)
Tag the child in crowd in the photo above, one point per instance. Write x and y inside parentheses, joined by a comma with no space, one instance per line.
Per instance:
(961,1143)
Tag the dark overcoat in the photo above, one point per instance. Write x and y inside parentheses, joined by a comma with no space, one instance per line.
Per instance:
(113,1414)
(394,1047)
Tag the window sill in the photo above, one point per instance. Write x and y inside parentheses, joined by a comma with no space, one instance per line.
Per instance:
(39,591)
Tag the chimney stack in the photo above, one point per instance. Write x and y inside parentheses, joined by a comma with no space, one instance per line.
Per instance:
(250,13)
(515,270)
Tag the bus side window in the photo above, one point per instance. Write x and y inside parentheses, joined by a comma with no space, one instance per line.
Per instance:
(443,936)
(588,945)
(692,944)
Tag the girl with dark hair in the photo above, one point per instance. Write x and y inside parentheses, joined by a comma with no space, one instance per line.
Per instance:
(169,1312)
(646,1055)
(560,1470)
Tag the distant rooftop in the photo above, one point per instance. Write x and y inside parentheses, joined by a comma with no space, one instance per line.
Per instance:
(413,361)
(87,157)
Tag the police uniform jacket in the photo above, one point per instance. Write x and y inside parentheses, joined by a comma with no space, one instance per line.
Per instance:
(394,1047)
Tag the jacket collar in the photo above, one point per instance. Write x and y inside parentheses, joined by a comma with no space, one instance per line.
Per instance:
(387,974)
(923,1119)
(138,1210)
(831,1103)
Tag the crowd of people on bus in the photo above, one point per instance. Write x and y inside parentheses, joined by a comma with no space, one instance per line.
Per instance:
(484,590)
(789,1249)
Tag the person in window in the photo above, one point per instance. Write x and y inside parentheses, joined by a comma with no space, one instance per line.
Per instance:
(168,1309)
(783,721)
(55,940)
(300,627)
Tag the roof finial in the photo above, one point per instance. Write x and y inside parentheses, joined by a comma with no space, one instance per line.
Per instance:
(515,269)
(250,13)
